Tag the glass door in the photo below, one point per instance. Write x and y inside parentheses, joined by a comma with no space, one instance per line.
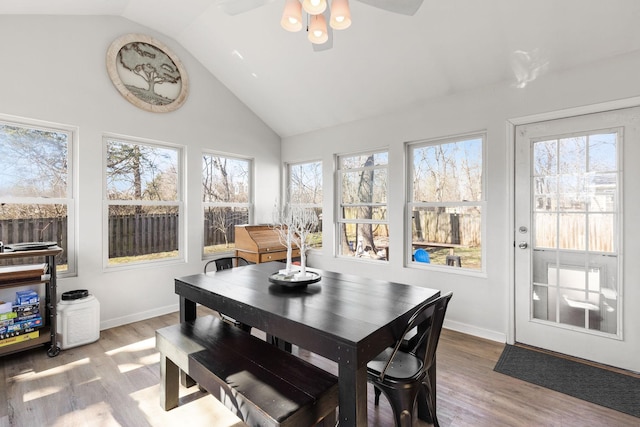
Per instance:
(569,236)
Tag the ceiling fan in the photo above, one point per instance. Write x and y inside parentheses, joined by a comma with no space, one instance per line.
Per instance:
(403,7)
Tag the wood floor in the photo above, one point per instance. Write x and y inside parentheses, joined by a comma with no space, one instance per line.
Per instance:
(114,382)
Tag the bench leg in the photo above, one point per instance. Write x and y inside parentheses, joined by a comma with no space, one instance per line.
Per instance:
(169,375)
(186,380)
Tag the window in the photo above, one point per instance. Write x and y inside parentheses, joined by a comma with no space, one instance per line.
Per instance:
(362,221)
(143,201)
(305,191)
(446,205)
(36,189)
(226,197)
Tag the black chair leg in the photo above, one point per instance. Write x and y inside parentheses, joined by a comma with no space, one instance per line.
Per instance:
(280,343)
(377,392)
(402,402)
(426,397)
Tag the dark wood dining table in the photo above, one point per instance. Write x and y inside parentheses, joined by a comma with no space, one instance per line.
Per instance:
(348,319)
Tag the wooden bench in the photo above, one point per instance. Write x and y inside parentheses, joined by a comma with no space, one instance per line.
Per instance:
(261,384)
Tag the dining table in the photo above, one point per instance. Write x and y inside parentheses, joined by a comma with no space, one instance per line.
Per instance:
(346,318)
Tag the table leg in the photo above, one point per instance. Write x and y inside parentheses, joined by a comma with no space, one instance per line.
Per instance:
(352,390)
(187,314)
(187,310)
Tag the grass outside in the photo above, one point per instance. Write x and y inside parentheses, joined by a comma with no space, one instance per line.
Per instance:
(221,248)
(470,258)
(208,250)
(140,258)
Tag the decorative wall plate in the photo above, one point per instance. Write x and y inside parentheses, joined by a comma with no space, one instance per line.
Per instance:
(147,73)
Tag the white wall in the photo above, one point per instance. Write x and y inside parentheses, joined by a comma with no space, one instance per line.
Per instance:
(54,69)
(481,302)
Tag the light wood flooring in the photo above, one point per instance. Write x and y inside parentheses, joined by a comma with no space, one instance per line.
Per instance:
(114,382)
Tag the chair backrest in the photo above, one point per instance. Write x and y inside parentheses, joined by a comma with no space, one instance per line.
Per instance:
(226,263)
(420,255)
(429,318)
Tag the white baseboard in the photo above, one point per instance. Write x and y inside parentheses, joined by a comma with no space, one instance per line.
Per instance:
(124,320)
(475,331)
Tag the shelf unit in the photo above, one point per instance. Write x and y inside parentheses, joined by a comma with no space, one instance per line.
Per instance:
(48,333)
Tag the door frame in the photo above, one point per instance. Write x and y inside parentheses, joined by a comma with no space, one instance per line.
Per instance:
(511,149)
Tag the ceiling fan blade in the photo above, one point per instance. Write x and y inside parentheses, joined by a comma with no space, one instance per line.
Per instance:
(404,7)
(235,7)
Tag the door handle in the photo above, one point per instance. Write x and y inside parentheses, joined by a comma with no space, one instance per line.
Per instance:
(523,245)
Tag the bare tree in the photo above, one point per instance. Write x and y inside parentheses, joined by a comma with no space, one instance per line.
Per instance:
(217,186)
(544,166)
(365,196)
(34,162)
(224,181)
(444,174)
(164,186)
(306,183)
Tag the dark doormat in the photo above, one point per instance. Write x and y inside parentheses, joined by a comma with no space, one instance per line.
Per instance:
(600,386)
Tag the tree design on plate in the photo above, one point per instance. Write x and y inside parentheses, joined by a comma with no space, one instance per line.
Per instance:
(154,67)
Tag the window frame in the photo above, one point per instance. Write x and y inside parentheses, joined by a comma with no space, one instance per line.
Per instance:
(411,205)
(314,206)
(179,202)
(338,215)
(70,201)
(250,205)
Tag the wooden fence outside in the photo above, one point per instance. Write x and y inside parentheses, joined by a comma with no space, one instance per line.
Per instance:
(36,230)
(213,235)
(141,234)
(569,232)
(129,235)
(445,227)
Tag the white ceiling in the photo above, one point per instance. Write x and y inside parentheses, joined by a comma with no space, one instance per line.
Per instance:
(382,63)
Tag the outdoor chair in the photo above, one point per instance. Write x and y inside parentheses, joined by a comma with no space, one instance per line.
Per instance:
(226,263)
(454,260)
(404,376)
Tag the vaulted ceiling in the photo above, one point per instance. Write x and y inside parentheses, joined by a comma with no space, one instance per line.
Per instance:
(385,61)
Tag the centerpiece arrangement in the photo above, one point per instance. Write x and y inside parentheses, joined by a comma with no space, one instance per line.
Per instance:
(295,225)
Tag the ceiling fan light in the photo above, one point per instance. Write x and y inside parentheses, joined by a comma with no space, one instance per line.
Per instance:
(292,16)
(340,15)
(314,7)
(318,29)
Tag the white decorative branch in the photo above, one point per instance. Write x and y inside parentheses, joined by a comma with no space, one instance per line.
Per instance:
(295,225)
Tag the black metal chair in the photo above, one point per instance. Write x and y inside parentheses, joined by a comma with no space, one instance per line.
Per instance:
(404,376)
(226,263)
